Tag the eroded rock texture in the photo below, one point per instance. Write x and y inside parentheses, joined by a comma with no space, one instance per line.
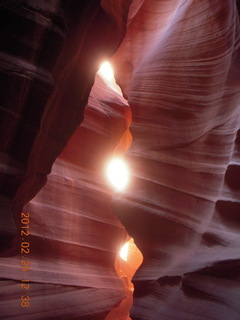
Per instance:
(178,66)
(74,236)
(184,196)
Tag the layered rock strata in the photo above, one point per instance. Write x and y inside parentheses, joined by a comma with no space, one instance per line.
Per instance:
(183,205)
(178,68)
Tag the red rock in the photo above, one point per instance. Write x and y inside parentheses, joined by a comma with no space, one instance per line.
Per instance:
(182,207)
(177,66)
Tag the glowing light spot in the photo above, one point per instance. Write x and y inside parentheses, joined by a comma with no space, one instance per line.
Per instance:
(106,71)
(117,173)
(124,251)
(107,74)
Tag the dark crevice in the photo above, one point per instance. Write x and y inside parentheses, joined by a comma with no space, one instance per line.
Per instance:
(232,177)
(229,211)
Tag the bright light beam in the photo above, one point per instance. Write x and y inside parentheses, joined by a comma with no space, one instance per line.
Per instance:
(117,173)
(106,71)
(107,74)
(124,251)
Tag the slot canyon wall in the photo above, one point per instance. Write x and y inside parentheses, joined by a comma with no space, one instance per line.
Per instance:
(177,63)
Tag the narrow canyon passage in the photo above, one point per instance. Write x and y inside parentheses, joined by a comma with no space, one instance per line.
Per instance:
(174,120)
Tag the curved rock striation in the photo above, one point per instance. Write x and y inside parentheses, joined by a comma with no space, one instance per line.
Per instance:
(182,207)
(74,236)
(177,66)
(27,29)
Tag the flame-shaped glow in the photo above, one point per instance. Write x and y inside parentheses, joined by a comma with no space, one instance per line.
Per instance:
(106,71)
(117,173)
(124,251)
(107,74)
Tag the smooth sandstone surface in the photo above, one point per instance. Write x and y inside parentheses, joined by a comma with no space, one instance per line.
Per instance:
(177,63)
(184,96)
